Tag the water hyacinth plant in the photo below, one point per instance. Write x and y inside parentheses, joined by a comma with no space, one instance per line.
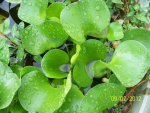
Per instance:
(61,59)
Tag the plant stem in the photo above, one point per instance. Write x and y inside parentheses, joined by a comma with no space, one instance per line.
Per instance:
(135,87)
(129,104)
(126,6)
(4,36)
(126,9)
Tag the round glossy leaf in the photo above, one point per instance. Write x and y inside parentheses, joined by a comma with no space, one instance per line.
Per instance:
(85,17)
(55,64)
(81,76)
(115,31)
(130,62)
(87,53)
(37,95)
(9,84)
(141,35)
(100,98)
(33,11)
(37,39)
(28,69)
(55,9)
(72,100)
(4,51)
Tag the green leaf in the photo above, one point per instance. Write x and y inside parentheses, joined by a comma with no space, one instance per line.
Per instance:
(142,17)
(72,100)
(115,31)
(51,1)
(55,64)
(99,69)
(21,25)
(37,39)
(14,1)
(2,18)
(37,95)
(57,82)
(55,9)
(85,17)
(117,1)
(28,69)
(6,24)
(1,27)
(37,58)
(4,51)
(113,79)
(4,110)
(136,7)
(14,31)
(17,69)
(20,53)
(87,54)
(130,62)
(9,84)
(14,40)
(17,108)
(140,35)
(33,11)
(100,98)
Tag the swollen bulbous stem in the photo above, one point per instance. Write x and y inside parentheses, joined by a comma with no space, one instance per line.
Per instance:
(100,69)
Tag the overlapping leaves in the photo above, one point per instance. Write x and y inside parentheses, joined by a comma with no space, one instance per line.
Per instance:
(37,39)
(43,97)
(130,62)
(55,9)
(37,93)
(115,31)
(52,68)
(85,57)
(99,98)
(140,35)
(9,84)
(94,101)
(85,17)
(33,11)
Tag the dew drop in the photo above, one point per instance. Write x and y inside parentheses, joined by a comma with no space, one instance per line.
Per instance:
(91,96)
(97,8)
(97,109)
(85,13)
(30,4)
(97,17)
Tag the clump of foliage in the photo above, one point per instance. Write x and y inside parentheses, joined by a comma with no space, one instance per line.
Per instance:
(73,42)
